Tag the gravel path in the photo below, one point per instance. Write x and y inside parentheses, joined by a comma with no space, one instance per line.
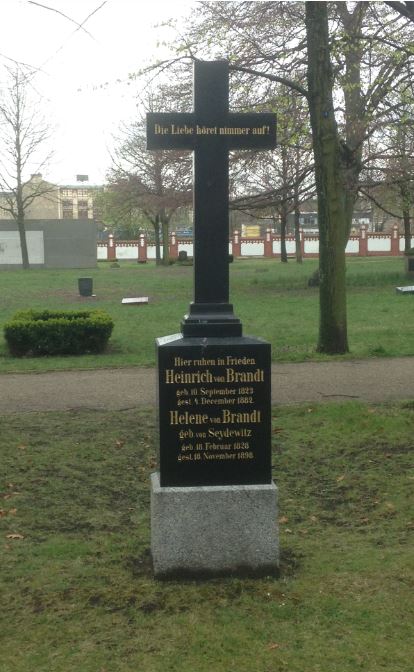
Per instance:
(373,380)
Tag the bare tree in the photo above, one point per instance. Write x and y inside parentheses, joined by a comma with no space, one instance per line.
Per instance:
(153,183)
(23,137)
(277,182)
(389,181)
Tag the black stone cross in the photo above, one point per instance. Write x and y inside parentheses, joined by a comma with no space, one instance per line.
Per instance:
(211,131)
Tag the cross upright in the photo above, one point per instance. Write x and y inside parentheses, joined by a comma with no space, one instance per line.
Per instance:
(211,131)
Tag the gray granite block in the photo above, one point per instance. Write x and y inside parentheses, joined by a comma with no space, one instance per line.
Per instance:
(213,530)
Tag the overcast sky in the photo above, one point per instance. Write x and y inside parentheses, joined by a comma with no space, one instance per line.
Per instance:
(80,71)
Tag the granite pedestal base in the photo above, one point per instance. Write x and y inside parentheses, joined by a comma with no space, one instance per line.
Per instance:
(213,530)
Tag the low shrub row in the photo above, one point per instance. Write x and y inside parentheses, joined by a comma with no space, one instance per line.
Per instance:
(37,333)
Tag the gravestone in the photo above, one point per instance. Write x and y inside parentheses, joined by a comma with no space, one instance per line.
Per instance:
(213,502)
(135,301)
(405,290)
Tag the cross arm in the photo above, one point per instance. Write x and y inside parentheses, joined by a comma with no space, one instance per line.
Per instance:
(232,131)
(249,130)
(169,130)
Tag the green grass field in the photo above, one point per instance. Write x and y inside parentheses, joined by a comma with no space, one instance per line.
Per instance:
(77,589)
(271,298)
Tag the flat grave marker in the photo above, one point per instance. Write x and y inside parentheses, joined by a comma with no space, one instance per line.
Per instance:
(409,289)
(135,301)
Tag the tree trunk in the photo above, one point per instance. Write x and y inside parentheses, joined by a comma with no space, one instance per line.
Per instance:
(355,111)
(283,226)
(23,245)
(405,199)
(331,192)
(165,238)
(283,208)
(407,229)
(19,187)
(22,233)
(156,224)
(296,213)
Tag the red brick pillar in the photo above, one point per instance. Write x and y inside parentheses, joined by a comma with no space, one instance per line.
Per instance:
(363,242)
(173,251)
(142,249)
(268,243)
(395,241)
(236,244)
(111,247)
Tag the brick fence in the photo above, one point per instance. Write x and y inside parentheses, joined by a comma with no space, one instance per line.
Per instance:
(364,244)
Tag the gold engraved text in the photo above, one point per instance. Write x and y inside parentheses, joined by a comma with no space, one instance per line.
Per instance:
(233,376)
(188,377)
(187,418)
(230,418)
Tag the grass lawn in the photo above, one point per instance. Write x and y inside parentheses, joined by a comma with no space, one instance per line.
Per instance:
(77,589)
(271,298)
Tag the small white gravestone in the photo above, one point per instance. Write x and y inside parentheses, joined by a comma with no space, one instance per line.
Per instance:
(405,290)
(135,301)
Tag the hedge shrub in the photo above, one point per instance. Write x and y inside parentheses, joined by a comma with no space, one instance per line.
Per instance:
(49,332)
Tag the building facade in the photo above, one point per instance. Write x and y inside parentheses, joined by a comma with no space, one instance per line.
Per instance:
(72,201)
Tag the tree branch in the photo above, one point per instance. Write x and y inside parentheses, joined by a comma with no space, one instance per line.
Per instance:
(273,78)
(406,9)
(378,204)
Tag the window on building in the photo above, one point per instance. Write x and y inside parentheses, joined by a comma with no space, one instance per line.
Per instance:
(83,209)
(308,219)
(67,210)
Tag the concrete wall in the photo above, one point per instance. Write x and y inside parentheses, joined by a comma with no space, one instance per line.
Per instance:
(53,243)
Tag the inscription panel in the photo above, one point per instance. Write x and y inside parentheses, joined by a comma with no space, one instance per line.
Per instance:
(214,411)
(169,130)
